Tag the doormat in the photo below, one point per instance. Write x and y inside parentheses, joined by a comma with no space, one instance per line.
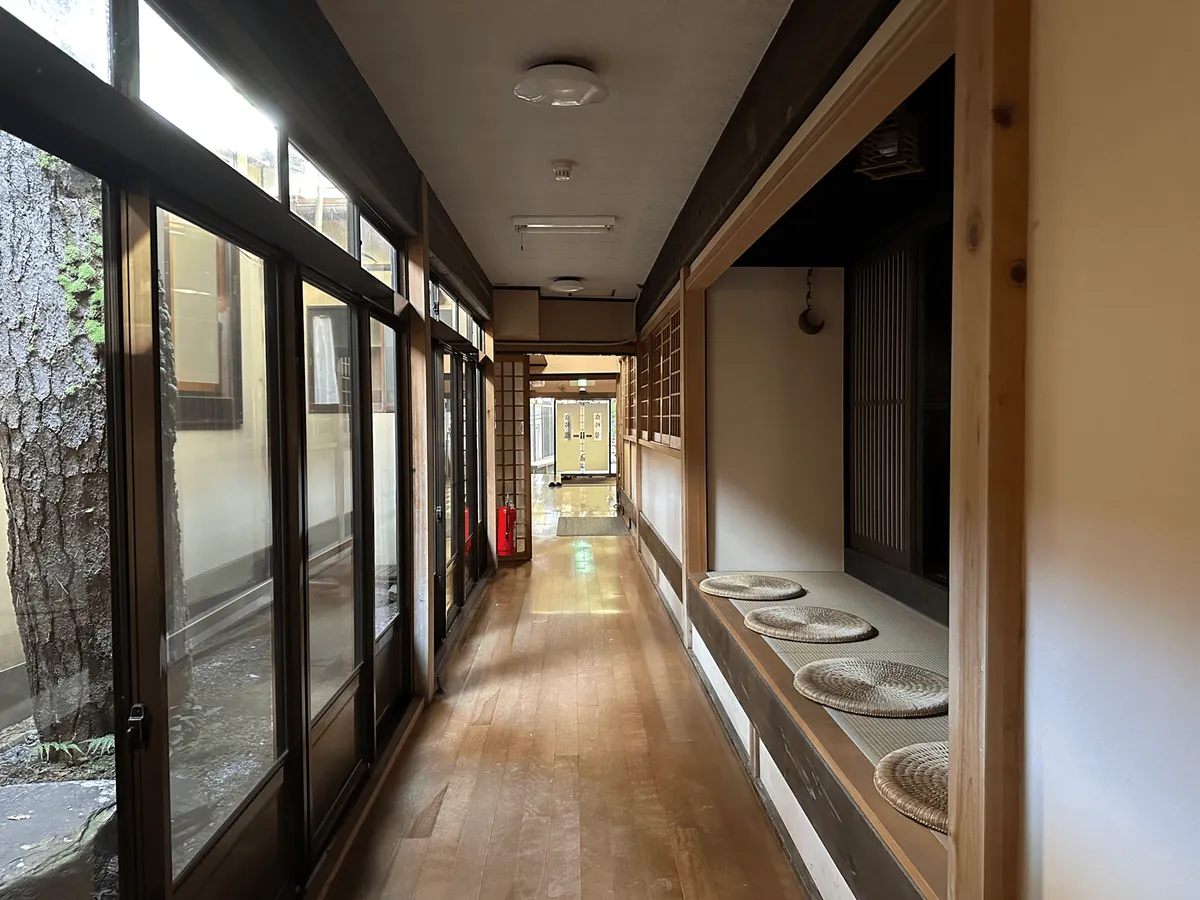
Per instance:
(591,526)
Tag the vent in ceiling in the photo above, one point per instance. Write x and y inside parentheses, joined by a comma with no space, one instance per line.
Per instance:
(892,149)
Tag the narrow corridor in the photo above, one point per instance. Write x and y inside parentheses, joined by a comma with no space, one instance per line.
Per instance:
(574,754)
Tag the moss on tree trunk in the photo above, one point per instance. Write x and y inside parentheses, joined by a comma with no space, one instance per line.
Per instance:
(53,438)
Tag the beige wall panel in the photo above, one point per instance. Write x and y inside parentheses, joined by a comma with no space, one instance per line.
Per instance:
(775,497)
(1112,804)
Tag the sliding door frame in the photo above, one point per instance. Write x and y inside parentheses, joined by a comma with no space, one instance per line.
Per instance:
(145,164)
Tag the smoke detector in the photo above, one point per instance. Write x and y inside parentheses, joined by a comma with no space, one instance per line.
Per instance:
(567,285)
(562,169)
(561,84)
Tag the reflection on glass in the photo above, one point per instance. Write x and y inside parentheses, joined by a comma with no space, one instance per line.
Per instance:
(77,27)
(467,478)
(317,200)
(378,256)
(448,470)
(56,639)
(217,481)
(330,490)
(447,308)
(175,81)
(384,471)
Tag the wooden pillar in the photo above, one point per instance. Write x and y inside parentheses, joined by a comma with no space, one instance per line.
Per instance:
(987,584)
(693,429)
(421,424)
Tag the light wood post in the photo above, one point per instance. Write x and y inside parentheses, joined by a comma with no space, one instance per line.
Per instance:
(693,427)
(421,352)
(987,589)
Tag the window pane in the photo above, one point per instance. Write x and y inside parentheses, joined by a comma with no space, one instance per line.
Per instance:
(217,472)
(449,469)
(378,256)
(56,665)
(78,27)
(330,467)
(317,200)
(176,81)
(385,470)
(447,309)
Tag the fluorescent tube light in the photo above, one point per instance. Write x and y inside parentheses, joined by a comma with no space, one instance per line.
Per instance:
(565,224)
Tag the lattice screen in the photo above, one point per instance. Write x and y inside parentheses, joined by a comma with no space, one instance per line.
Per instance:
(629,376)
(659,383)
(513,482)
(881,372)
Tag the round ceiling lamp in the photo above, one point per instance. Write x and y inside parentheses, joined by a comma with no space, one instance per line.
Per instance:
(561,84)
(567,285)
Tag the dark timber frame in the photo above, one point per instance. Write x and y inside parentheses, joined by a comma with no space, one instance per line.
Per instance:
(272,843)
(813,46)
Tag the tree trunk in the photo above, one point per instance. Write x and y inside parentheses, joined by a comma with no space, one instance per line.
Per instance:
(53,438)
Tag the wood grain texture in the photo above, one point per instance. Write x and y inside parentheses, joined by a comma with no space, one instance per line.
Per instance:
(916,38)
(574,755)
(421,418)
(881,854)
(670,565)
(694,431)
(987,448)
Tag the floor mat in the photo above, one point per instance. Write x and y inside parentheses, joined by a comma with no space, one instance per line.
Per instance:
(591,526)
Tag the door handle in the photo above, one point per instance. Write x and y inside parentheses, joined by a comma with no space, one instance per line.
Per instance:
(137,727)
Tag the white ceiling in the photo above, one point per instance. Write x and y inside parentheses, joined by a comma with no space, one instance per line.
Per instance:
(443,70)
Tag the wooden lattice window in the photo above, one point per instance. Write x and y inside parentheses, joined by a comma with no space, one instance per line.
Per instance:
(631,397)
(643,387)
(672,382)
(660,382)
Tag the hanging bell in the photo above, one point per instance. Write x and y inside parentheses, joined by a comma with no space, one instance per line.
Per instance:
(811,321)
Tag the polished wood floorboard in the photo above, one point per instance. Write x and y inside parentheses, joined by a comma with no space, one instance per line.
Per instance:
(573,755)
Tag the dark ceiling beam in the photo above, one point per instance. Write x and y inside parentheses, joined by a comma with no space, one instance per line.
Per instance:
(815,43)
(290,61)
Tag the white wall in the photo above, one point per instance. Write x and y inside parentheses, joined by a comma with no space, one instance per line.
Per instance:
(1113,492)
(661,499)
(775,498)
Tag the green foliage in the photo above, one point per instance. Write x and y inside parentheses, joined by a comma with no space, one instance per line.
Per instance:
(71,753)
(53,751)
(102,746)
(81,276)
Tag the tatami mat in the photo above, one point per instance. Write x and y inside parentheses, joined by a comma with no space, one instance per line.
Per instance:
(904,636)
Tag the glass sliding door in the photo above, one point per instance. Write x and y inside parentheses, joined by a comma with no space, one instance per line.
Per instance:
(390,633)
(218,528)
(59,675)
(330,464)
(451,485)
(385,458)
(450,517)
(469,514)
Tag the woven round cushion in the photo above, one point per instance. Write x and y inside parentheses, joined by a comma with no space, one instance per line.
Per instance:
(914,780)
(744,586)
(875,687)
(810,624)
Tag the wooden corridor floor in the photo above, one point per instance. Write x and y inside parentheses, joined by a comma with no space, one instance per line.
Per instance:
(574,755)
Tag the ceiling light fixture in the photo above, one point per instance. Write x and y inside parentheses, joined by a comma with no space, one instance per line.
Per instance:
(569,285)
(561,84)
(564,224)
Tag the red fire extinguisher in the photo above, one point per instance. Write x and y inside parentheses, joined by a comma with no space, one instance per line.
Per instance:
(506,529)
